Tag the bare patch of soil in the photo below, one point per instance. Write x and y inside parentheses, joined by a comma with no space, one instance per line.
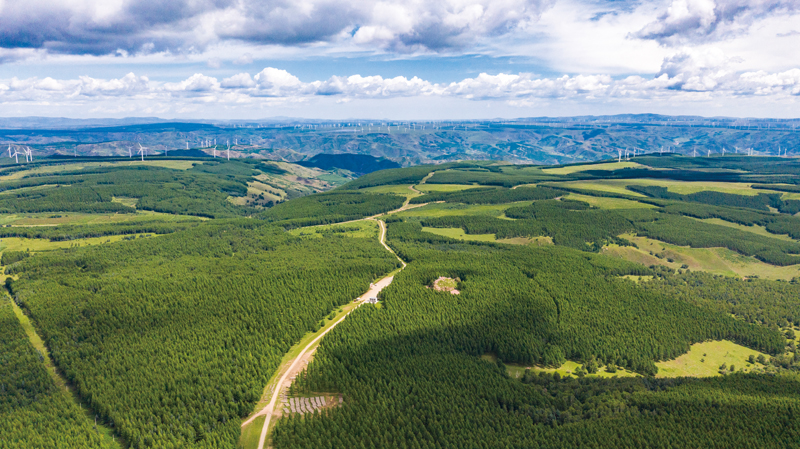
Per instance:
(445,284)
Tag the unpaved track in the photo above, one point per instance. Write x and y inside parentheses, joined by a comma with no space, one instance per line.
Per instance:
(285,381)
(296,363)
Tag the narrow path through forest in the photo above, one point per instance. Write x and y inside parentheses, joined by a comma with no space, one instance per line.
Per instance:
(63,385)
(292,366)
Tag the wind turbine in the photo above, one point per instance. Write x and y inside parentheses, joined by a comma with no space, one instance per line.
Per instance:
(142,151)
(619,154)
(28,154)
(229,150)
(130,151)
(15,156)
(9,151)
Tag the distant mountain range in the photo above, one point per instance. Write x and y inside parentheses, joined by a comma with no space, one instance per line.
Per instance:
(538,140)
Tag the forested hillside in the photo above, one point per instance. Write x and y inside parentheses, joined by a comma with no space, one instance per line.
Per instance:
(186,328)
(187,302)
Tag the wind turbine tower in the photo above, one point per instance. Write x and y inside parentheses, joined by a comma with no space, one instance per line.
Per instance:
(229,150)
(142,151)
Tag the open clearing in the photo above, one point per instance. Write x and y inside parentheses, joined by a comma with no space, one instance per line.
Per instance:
(401,189)
(72,166)
(451,209)
(755,229)
(22,244)
(704,360)
(682,187)
(713,260)
(609,203)
(567,369)
(362,229)
(458,233)
(579,168)
(77,218)
(444,187)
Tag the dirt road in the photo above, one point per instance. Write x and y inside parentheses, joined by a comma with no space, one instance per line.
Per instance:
(297,363)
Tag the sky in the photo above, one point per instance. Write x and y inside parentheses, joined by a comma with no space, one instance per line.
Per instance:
(398,59)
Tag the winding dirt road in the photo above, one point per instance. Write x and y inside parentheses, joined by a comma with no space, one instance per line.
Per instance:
(296,364)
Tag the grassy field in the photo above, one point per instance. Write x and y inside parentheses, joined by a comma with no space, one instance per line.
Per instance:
(402,190)
(609,203)
(567,369)
(252,433)
(538,241)
(22,244)
(443,187)
(458,233)
(713,260)
(362,229)
(601,186)
(77,218)
(125,201)
(579,168)
(70,166)
(755,229)
(704,360)
(449,209)
(682,187)
(637,279)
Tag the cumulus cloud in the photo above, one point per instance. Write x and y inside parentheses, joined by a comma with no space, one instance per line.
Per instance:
(99,27)
(684,75)
(692,21)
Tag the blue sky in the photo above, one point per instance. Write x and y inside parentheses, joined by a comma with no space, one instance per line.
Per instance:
(398,59)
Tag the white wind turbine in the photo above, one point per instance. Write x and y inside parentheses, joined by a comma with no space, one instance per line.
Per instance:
(28,154)
(16,156)
(142,150)
(130,151)
(229,150)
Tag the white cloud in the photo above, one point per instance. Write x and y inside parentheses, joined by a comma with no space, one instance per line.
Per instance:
(130,84)
(195,83)
(240,80)
(685,75)
(708,20)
